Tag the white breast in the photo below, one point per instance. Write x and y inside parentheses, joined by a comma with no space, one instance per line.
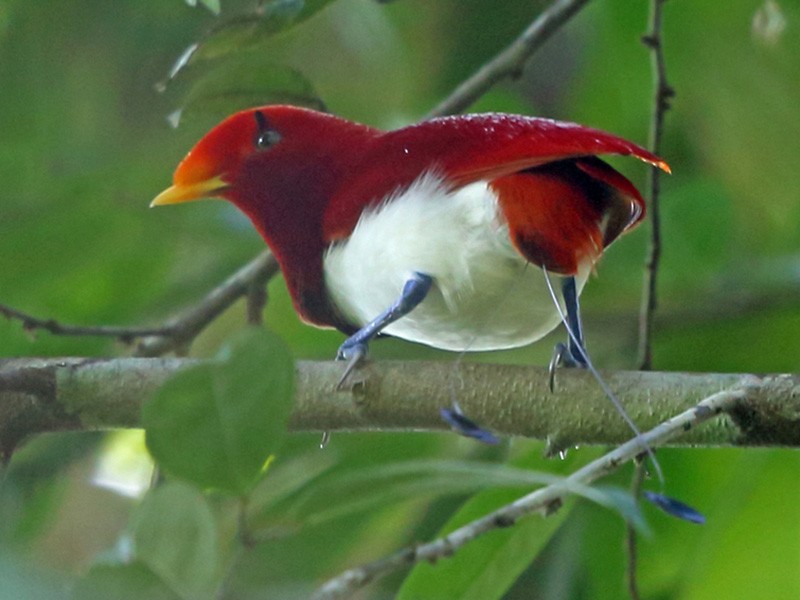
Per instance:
(485,296)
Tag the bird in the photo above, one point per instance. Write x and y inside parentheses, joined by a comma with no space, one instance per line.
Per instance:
(445,232)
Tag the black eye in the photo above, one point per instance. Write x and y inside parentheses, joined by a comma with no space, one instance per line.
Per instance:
(266,137)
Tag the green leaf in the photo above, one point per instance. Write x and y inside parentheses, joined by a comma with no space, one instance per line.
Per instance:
(21,580)
(216,424)
(620,501)
(286,479)
(248,30)
(344,493)
(754,509)
(243,82)
(122,582)
(486,568)
(32,487)
(175,535)
(212,5)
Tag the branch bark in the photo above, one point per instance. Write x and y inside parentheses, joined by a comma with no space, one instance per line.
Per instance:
(509,62)
(43,395)
(31,323)
(248,281)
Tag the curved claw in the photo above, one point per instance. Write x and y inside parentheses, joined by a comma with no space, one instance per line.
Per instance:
(563,356)
(559,350)
(354,353)
(326,437)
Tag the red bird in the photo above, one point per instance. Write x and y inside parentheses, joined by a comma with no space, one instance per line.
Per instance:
(437,233)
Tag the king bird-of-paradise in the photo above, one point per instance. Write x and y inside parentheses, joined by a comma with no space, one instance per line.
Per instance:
(442,233)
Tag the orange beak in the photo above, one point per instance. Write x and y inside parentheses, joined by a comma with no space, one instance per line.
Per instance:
(186,192)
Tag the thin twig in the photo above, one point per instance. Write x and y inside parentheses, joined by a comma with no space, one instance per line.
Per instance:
(662,94)
(186,326)
(249,281)
(256,301)
(509,62)
(542,499)
(124,334)
(630,532)
(242,527)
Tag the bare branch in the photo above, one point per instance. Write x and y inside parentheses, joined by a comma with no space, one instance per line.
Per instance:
(41,395)
(511,61)
(256,301)
(543,500)
(661,95)
(247,281)
(631,545)
(124,334)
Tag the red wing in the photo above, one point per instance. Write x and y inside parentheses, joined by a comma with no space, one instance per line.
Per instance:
(562,214)
(490,146)
(469,148)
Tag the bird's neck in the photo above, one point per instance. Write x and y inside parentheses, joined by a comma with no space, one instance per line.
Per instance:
(289,216)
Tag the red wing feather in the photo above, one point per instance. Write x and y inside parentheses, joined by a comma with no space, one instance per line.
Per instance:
(562,214)
(484,147)
(469,148)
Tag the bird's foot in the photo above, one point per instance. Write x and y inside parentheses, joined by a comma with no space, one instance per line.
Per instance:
(355,353)
(567,357)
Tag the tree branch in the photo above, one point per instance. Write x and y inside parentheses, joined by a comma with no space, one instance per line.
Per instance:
(248,281)
(42,395)
(124,334)
(631,545)
(509,62)
(545,499)
(662,93)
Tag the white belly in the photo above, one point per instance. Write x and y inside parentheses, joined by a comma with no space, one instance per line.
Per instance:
(485,295)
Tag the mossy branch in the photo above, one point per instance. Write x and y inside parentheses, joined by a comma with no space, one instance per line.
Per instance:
(43,395)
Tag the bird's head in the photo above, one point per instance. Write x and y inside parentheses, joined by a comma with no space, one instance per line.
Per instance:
(279,165)
(264,159)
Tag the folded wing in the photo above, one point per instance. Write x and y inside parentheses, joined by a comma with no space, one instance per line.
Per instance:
(562,204)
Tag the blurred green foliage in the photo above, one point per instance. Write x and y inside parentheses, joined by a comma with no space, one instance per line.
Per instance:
(216,425)
(85,144)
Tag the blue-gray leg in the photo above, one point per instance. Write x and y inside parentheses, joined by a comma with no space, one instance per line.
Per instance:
(576,354)
(573,353)
(355,347)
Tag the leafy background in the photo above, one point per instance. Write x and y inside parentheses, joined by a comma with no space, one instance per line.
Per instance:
(85,144)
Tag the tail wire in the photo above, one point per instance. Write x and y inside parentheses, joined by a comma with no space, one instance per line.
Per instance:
(605,387)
